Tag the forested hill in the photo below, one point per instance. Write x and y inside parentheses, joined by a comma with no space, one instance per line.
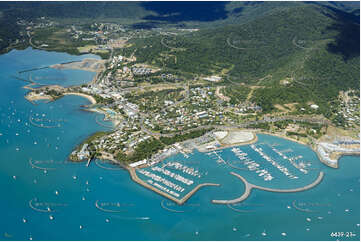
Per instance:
(315,47)
(298,51)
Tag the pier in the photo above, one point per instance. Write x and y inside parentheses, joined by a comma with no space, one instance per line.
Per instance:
(46,67)
(90,160)
(235,167)
(34,69)
(250,186)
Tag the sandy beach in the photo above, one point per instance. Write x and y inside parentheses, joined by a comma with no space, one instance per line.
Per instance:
(90,98)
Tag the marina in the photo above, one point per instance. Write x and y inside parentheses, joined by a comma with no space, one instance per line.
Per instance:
(148,219)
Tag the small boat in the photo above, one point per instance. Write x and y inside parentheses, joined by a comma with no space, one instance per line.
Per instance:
(264,233)
(24,220)
(80,227)
(56,193)
(308,219)
(51,217)
(283,234)
(234,229)
(107,220)
(14,177)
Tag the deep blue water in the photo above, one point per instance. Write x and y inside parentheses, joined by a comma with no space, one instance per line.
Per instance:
(139,214)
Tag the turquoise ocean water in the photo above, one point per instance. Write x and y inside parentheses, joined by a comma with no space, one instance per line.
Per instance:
(46,198)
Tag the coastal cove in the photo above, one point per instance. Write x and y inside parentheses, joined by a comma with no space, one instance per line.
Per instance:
(47,194)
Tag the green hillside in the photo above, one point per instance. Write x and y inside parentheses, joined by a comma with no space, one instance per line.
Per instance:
(315,47)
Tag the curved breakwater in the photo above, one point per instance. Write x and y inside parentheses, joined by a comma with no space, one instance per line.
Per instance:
(250,186)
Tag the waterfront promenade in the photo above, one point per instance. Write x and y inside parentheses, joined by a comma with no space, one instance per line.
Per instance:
(250,186)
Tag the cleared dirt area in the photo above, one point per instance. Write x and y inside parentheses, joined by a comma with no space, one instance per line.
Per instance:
(236,137)
(220,95)
(87,64)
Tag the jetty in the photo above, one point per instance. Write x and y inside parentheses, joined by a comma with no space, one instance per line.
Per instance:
(250,186)
(34,69)
(23,79)
(136,179)
(45,67)
(90,160)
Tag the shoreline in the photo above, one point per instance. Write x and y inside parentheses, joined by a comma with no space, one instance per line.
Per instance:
(285,137)
(338,157)
(335,166)
(89,97)
(35,97)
